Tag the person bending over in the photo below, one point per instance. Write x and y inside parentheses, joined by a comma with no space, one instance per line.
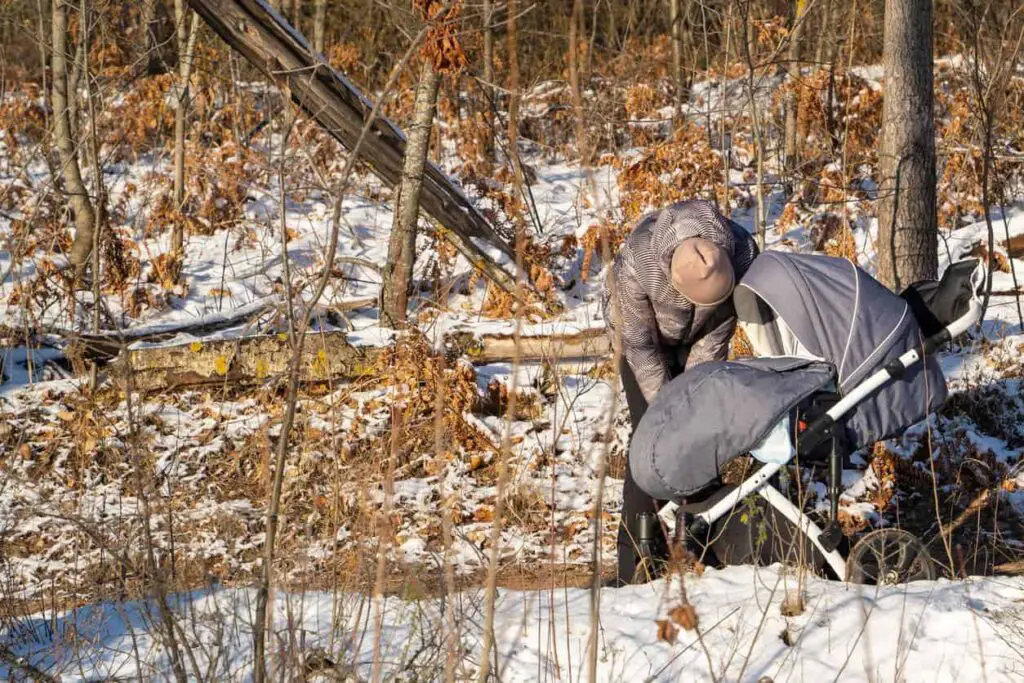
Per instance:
(672,283)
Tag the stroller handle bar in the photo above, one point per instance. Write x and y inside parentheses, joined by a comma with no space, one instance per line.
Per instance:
(821,429)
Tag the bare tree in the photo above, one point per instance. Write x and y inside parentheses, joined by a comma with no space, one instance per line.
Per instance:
(907,222)
(574,81)
(676,17)
(148,20)
(67,146)
(792,101)
(826,42)
(186,38)
(488,77)
(319,25)
(397,274)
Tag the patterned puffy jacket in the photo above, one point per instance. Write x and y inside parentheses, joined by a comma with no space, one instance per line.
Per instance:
(659,328)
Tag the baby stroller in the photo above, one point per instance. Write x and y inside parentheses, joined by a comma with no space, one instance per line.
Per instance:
(839,363)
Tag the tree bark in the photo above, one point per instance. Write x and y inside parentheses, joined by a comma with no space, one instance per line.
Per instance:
(488,44)
(151,55)
(74,186)
(675,16)
(825,33)
(186,39)
(792,100)
(907,223)
(319,25)
(397,275)
(574,82)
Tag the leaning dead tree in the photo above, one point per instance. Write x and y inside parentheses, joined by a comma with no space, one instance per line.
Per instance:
(282,54)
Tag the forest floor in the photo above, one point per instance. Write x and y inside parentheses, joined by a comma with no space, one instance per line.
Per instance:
(72,524)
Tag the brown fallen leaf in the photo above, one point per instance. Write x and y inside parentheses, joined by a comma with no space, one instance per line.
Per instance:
(685,616)
(667,631)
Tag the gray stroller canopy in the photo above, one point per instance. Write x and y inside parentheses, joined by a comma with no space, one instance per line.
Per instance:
(839,314)
(826,311)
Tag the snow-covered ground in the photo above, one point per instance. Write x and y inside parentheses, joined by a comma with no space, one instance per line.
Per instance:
(932,631)
(68,493)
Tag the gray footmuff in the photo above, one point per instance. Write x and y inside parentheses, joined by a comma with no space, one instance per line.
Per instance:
(712,413)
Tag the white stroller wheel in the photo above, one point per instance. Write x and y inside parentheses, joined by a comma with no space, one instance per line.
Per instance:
(889,557)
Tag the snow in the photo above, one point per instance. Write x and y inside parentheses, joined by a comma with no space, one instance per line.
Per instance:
(942,630)
(964,630)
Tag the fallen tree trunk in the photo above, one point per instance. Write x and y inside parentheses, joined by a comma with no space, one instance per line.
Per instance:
(107,345)
(329,356)
(282,54)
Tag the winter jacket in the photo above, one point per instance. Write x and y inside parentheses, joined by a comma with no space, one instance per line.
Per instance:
(660,330)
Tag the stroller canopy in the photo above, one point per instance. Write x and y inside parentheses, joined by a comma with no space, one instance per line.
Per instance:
(829,309)
(823,310)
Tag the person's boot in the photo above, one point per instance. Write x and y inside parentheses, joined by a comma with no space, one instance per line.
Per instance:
(653,551)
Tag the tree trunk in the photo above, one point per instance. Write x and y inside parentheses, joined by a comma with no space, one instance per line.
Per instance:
(574,83)
(488,77)
(78,197)
(319,25)
(152,54)
(675,16)
(488,44)
(907,224)
(186,39)
(825,42)
(792,99)
(397,274)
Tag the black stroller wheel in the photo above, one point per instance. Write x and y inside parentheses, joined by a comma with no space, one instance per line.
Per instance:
(889,557)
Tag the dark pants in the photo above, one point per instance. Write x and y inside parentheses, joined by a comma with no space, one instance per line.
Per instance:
(634,500)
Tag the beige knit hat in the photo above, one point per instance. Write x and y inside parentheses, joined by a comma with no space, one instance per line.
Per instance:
(702,272)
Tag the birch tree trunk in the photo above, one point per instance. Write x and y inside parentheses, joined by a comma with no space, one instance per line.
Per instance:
(74,186)
(319,25)
(186,38)
(397,274)
(907,223)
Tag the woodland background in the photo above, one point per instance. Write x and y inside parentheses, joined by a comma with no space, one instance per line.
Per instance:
(231,354)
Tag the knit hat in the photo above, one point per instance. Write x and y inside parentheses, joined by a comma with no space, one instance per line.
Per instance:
(702,272)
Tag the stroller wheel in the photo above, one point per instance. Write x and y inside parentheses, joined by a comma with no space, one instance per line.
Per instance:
(889,557)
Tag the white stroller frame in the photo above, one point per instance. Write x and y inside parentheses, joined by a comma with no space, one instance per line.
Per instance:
(816,433)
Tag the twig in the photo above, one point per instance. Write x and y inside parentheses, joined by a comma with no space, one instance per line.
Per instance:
(24,665)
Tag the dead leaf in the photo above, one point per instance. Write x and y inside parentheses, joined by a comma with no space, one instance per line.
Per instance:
(667,631)
(685,616)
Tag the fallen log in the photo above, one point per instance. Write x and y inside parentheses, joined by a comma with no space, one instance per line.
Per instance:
(106,345)
(246,360)
(283,55)
(327,356)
